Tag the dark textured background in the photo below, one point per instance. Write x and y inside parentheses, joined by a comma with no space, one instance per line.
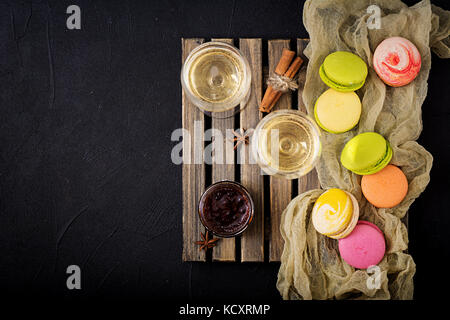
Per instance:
(85,171)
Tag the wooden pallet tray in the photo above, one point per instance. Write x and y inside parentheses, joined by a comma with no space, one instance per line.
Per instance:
(262,240)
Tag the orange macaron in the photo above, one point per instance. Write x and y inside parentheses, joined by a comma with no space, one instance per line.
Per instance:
(386,188)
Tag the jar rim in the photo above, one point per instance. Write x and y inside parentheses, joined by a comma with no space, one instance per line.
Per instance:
(250,213)
(243,92)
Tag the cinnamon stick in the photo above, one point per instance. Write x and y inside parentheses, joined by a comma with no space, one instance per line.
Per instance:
(282,66)
(293,69)
(290,73)
(285,61)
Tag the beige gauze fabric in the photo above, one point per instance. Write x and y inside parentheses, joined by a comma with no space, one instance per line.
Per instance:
(311,267)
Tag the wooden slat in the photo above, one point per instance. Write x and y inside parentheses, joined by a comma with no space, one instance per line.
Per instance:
(224,170)
(280,189)
(311,180)
(301,45)
(193,168)
(252,240)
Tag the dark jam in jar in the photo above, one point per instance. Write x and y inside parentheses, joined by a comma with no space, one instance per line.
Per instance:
(226,208)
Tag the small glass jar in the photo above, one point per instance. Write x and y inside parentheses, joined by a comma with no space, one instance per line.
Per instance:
(216,77)
(286,144)
(226,209)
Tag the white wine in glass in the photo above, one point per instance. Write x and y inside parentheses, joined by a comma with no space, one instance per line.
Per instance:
(286,143)
(216,77)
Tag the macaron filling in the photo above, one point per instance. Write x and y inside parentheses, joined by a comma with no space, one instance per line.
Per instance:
(383,162)
(338,86)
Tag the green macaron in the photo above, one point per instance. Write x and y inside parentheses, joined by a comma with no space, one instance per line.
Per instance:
(366,153)
(343,71)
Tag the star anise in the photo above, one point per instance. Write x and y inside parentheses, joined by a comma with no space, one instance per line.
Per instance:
(206,243)
(241,137)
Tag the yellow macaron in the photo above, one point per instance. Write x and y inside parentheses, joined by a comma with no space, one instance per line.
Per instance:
(336,111)
(335,213)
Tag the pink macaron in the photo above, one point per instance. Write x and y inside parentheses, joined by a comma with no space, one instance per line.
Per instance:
(364,247)
(397,61)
